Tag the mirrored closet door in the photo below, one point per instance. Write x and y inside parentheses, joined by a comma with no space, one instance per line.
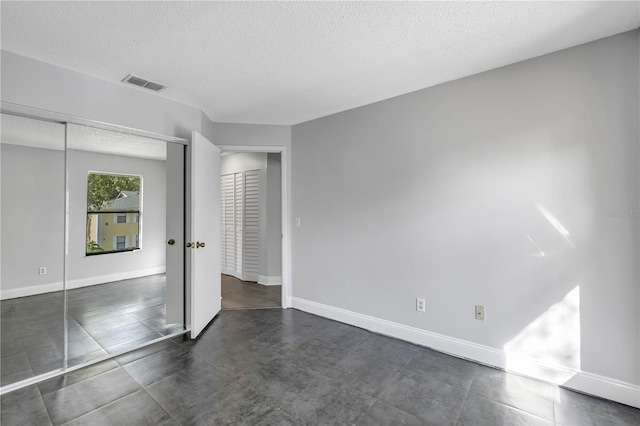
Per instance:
(92,260)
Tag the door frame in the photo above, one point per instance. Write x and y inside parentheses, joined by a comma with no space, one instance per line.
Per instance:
(285,208)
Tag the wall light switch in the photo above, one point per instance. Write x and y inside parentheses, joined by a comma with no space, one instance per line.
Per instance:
(298,221)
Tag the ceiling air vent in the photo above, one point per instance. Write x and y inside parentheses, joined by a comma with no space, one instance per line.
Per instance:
(143,82)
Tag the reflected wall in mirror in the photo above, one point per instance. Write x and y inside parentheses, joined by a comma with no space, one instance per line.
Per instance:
(32,247)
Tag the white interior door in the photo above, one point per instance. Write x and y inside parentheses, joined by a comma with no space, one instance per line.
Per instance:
(205,233)
(174,289)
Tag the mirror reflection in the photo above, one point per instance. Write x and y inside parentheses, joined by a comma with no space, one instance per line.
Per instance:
(32,248)
(117,252)
(122,282)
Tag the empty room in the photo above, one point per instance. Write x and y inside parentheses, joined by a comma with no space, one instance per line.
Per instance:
(320,213)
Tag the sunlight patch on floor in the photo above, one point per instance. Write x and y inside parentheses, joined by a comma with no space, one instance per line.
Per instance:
(552,339)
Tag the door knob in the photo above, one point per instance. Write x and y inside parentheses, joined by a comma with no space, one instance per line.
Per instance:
(191,245)
(171,242)
(199,244)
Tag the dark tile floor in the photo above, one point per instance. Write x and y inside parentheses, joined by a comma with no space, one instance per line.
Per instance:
(287,367)
(237,294)
(102,319)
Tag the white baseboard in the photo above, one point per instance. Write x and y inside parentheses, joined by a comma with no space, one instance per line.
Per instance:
(249,276)
(83,282)
(13,293)
(604,387)
(266,280)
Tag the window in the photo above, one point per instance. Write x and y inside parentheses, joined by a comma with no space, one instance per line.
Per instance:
(113,213)
(121,242)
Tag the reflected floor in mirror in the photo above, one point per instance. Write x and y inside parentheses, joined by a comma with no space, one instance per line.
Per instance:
(238,294)
(102,319)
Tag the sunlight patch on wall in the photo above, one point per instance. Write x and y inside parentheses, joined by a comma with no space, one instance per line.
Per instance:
(551,340)
(555,223)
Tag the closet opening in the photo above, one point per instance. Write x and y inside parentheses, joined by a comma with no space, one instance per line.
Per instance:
(251,230)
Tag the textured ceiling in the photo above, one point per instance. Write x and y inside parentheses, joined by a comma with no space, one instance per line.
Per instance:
(107,142)
(289,62)
(33,133)
(16,130)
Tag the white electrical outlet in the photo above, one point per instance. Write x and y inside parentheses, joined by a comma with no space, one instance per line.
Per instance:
(42,270)
(420,305)
(298,222)
(480,313)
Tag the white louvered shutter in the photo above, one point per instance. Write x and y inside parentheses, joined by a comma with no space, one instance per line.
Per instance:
(251,241)
(228,224)
(238,198)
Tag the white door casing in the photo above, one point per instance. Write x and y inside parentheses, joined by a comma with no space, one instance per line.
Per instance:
(205,262)
(287,217)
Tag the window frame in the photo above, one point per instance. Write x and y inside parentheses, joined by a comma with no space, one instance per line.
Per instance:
(110,218)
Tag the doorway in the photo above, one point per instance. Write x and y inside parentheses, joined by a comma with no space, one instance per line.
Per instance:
(251,231)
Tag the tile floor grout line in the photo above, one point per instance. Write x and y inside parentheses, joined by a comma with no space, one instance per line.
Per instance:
(513,407)
(45,405)
(466,395)
(102,406)
(74,383)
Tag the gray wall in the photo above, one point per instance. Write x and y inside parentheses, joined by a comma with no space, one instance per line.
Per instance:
(242,162)
(247,134)
(33,217)
(497,190)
